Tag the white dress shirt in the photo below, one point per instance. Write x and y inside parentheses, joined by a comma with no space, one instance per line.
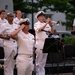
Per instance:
(42,35)
(25,43)
(16,20)
(7,29)
(1,23)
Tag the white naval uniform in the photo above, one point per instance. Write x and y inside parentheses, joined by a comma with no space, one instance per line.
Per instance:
(40,57)
(74,22)
(16,20)
(1,23)
(24,60)
(10,48)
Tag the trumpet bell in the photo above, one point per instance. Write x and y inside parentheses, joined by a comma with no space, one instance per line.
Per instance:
(56,23)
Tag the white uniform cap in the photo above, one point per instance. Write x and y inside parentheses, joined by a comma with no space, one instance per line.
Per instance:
(26,20)
(39,14)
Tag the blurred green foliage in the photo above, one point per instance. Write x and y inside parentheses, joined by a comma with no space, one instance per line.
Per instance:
(69,40)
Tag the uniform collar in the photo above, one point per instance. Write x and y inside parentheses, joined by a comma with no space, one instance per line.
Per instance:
(40,22)
(9,24)
(18,19)
(1,19)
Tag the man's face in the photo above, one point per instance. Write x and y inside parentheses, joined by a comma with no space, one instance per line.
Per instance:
(2,15)
(41,18)
(26,27)
(10,17)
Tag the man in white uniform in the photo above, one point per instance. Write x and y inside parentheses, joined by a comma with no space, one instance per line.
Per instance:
(18,18)
(25,40)
(40,27)
(10,44)
(2,20)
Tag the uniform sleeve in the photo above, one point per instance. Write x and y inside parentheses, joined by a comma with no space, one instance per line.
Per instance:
(19,34)
(37,27)
(74,22)
(2,29)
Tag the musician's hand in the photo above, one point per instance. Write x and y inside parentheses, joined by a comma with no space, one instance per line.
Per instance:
(48,20)
(22,26)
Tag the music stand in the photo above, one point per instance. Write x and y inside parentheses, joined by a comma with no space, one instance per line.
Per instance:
(51,45)
(73,32)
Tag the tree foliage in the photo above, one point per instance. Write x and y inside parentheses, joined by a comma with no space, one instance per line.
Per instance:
(54,5)
(25,6)
(65,6)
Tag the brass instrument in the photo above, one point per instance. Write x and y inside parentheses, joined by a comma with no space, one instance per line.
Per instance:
(56,23)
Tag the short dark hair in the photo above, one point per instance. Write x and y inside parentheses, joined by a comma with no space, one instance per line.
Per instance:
(2,11)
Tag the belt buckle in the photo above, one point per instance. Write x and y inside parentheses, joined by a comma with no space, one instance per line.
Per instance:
(30,56)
